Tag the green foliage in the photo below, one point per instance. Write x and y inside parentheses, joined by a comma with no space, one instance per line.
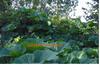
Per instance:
(36,57)
(25,28)
(4,52)
(27,58)
(30,44)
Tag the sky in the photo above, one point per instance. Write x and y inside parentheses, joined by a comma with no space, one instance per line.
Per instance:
(78,10)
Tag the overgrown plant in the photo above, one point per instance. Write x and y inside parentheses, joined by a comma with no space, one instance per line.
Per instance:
(26,27)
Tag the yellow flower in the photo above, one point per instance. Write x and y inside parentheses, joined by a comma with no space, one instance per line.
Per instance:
(17,39)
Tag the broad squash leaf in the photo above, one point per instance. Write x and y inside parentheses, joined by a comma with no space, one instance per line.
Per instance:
(42,55)
(32,44)
(15,50)
(24,59)
(4,52)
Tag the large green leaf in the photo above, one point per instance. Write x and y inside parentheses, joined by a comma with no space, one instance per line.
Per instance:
(89,61)
(39,56)
(4,52)
(92,52)
(42,56)
(32,44)
(25,59)
(15,50)
(94,38)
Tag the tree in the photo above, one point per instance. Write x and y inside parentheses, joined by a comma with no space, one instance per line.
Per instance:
(52,7)
(94,11)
